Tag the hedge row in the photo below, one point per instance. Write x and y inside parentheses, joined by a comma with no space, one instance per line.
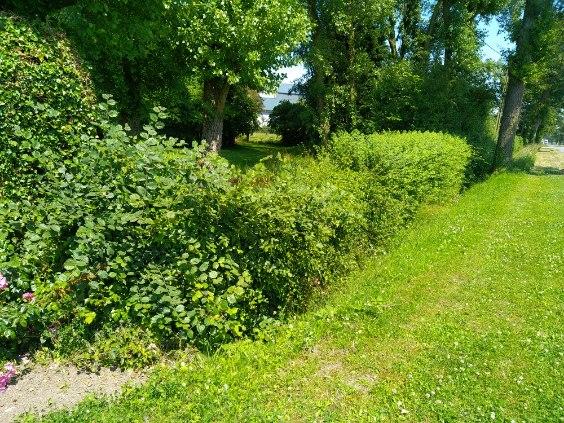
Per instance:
(426,166)
(133,231)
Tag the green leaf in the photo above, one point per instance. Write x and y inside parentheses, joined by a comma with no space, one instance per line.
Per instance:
(89,317)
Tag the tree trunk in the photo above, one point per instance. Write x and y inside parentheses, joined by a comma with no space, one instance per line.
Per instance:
(409,28)
(215,97)
(540,118)
(318,86)
(509,120)
(447,33)
(515,88)
(392,39)
(534,134)
(540,129)
(352,80)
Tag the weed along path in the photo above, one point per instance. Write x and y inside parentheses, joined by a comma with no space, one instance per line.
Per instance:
(462,321)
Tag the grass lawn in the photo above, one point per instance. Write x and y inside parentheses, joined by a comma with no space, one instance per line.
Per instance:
(461,321)
(260,145)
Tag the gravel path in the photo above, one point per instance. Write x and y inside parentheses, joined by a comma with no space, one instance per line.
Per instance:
(47,388)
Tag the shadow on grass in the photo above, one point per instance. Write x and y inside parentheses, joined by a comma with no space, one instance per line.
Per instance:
(527,164)
(539,170)
(524,163)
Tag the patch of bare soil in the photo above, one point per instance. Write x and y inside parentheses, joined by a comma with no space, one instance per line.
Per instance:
(47,388)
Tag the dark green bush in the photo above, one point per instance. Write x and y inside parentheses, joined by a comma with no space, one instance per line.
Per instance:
(45,104)
(241,114)
(126,231)
(292,121)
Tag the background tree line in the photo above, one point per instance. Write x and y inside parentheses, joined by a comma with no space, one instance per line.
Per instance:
(403,65)
(372,65)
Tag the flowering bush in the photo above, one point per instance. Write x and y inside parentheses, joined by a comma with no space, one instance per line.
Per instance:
(3,282)
(7,376)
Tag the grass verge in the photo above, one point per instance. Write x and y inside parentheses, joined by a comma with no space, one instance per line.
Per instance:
(461,321)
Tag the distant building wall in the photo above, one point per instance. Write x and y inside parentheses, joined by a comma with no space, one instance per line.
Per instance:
(270,101)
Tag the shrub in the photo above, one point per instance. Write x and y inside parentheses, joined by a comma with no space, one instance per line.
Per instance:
(125,232)
(518,144)
(122,347)
(45,104)
(396,86)
(136,232)
(298,226)
(292,121)
(241,114)
(421,166)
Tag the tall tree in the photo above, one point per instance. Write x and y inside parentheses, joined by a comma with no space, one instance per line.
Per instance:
(348,43)
(396,64)
(544,94)
(527,32)
(240,42)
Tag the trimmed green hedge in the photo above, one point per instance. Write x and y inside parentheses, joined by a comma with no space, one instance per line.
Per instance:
(427,166)
(135,232)
(301,225)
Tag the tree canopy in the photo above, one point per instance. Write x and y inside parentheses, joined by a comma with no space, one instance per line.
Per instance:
(372,65)
(237,42)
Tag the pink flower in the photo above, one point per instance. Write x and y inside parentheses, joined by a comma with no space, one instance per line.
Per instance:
(28,296)
(6,378)
(3,282)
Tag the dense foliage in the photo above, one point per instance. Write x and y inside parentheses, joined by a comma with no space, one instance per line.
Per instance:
(534,74)
(424,165)
(372,65)
(45,104)
(241,114)
(236,42)
(544,97)
(402,65)
(293,122)
(132,231)
(153,51)
(110,227)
